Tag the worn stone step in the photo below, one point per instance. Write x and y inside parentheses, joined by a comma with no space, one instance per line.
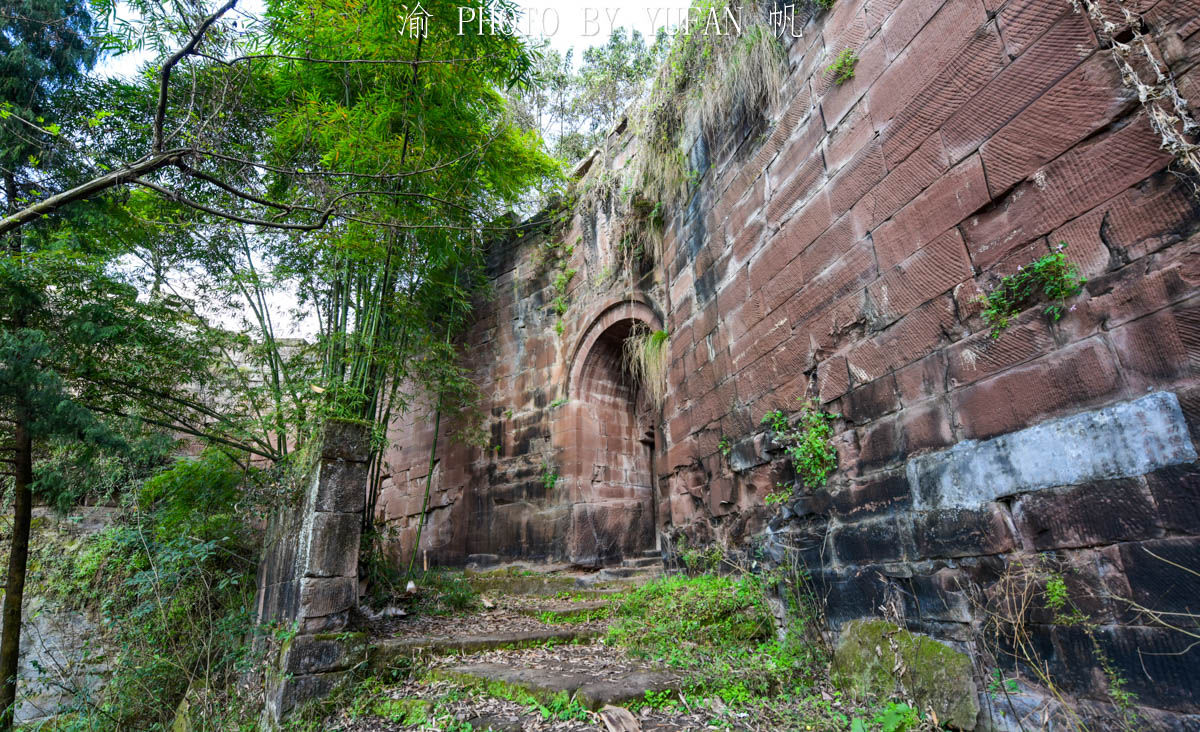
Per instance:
(385,653)
(654,561)
(545,684)
(566,610)
(620,577)
(532,584)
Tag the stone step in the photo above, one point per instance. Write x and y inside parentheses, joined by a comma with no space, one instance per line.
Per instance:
(545,684)
(385,653)
(654,561)
(620,577)
(532,584)
(566,611)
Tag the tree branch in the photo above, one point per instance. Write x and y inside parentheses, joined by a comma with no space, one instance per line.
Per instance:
(129,173)
(164,78)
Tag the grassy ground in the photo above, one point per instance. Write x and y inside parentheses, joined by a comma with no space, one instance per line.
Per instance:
(716,633)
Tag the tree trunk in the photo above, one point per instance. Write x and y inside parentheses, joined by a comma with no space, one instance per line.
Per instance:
(10,637)
(18,556)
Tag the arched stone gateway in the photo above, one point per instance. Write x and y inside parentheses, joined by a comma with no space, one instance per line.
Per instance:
(609,457)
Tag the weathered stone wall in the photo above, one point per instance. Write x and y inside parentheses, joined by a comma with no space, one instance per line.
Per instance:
(836,250)
(308,575)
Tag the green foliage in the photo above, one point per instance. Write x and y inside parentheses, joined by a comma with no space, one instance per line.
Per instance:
(897,717)
(1051,277)
(843,65)
(549,477)
(646,355)
(825,4)
(173,583)
(70,472)
(997,684)
(718,632)
(195,498)
(781,494)
(725,446)
(809,444)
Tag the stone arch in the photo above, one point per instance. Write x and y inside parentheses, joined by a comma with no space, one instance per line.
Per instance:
(614,501)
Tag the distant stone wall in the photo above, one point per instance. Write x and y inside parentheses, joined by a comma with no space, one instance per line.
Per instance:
(836,250)
(308,575)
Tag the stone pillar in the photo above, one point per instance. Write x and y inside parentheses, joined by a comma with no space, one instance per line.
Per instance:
(308,579)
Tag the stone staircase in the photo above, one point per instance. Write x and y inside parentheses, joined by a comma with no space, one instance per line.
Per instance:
(538,632)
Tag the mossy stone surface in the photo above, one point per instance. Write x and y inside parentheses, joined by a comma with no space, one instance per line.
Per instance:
(935,675)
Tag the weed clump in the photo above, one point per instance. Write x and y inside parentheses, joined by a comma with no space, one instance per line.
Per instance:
(1051,277)
(843,65)
(809,444)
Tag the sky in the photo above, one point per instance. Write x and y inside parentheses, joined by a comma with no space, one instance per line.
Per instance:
(563,23)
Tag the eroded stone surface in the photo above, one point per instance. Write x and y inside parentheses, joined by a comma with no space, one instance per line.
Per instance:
(877,658)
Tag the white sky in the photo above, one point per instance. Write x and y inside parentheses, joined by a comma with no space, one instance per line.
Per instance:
(564,23)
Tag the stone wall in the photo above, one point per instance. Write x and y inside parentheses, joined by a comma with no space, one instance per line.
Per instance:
(308,575)
(836,250)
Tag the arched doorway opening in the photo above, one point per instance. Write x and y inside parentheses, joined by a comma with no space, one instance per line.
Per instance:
(613,513)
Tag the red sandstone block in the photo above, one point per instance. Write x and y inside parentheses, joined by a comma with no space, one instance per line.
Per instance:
(914,336)
(1181,17)
(858,177)
(851,272)
(1064,188)
(827,249)
(926,427)
(872,61)
(759,341)
(1023,21)
(933,48)
(907,180)
(755,380)
(928,273)
(1137,222)
(848,137)
(971,70)
(980,356)
(905,20)
(948,201)
(733,291)
(1085,100)
(828,330)
(789,361)
(795,236)
(877,13)
(794,185)
(1021,83)
(832,379)
(1085,247)
(1160,348)
(922,379)
(1075,377)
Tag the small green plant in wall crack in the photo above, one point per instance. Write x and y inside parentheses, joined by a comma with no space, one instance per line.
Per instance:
(809,444)
(843,65)
(1051,277)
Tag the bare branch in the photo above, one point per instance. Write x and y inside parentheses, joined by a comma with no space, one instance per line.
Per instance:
(229,216)
(127,174)
(164,81)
